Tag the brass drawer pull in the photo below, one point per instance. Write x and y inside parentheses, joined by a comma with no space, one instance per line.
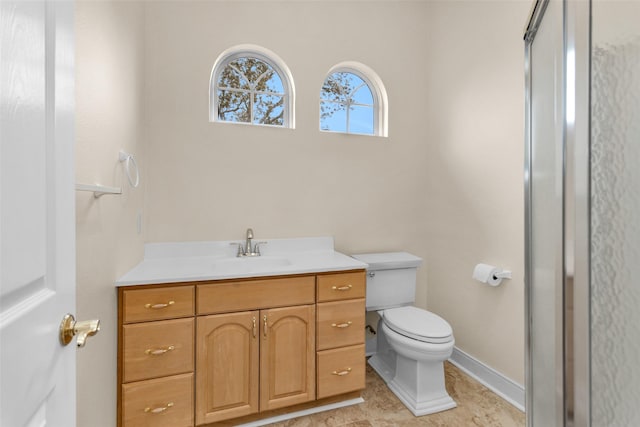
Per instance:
(342,373)
(341,325)
(159,351)
(254,326)
(161,305)
(159,409)
(342,288)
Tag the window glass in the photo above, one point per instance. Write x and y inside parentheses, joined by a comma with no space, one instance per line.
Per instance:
(269,110)
(362,95)
(332,117)
(234,106)
(250,90)
(231,77)
(361,120)
(347,104)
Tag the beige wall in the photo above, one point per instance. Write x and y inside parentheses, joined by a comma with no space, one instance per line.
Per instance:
(213,180)
(475,176)
(446,184)
(109,85)
(210,181)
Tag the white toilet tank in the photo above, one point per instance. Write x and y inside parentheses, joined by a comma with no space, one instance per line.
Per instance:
(391,279)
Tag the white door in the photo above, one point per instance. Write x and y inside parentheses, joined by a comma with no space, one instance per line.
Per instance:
(37,218)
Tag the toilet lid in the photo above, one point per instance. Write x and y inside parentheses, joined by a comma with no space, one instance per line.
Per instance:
(419,324)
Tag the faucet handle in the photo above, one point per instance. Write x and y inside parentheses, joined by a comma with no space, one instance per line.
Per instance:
(256,247)
(240,248)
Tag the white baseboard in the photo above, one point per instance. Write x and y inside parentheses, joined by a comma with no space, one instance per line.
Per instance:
(504,387)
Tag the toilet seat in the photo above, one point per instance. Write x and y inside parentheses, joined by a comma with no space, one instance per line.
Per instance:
(418,324)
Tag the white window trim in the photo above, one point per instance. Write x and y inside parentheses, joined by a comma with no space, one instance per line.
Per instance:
(262,54)
(380,100)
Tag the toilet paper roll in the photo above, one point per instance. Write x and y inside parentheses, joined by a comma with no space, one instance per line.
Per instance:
(488,274)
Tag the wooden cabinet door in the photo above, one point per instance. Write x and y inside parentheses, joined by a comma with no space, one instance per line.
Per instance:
(227,363)
(287,356)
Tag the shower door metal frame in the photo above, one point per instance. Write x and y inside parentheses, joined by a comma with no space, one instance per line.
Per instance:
(575,210)
(536,17)
(578,191)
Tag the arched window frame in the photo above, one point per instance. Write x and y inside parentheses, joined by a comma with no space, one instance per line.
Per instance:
(265,55)
(378,91)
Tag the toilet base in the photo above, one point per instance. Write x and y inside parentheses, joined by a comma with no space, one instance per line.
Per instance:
(383,369)
(418,408)
(418,385)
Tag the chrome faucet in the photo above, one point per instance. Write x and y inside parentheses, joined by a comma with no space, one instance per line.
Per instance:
(249,249)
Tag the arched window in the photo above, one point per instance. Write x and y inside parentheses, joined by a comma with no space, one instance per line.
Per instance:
(353,100)
(250,84)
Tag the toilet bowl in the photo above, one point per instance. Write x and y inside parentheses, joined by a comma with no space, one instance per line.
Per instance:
(417,373)
(411,343)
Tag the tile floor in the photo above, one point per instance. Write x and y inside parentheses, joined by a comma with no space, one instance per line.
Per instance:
(477,407)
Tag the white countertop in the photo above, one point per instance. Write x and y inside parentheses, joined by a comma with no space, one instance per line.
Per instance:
(201,261)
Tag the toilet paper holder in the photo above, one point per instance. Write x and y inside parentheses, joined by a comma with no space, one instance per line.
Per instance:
(490,274)
(504,274)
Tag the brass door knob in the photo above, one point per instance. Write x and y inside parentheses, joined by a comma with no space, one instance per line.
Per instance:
(69,328)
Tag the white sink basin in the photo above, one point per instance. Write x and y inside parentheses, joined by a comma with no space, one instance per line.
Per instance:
(250,264)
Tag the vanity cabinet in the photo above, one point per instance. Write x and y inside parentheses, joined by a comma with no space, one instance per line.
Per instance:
(204,352)
(254,361)
(160,402)
(228,361)
(340,337)
(155,356)
(287,357)
(157,349)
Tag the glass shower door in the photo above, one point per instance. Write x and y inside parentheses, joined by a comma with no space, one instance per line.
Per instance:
(583,213)
(615,214)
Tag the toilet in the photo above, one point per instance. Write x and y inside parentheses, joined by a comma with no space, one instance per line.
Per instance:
(411,344)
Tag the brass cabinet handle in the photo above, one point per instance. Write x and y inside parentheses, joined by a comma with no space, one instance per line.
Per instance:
(342,288)
(159,351)
(254,326)
(160,305)
(341,325)
(342,373)
(264,319)
(158,409)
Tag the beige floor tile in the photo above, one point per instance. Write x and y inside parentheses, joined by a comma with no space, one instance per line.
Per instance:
(477,407)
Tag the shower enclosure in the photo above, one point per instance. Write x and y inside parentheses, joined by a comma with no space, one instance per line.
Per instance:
(582,189)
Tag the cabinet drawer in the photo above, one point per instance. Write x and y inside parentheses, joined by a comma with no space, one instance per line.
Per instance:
(243,295)
(163,402)
(141,305)
(333,287)
(341,370)
(157,349)
(340,323)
